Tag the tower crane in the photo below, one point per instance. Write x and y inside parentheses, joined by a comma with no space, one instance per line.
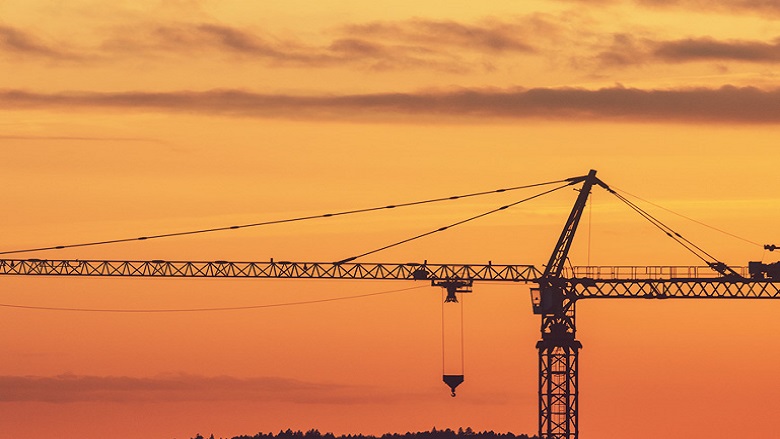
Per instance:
(554,297)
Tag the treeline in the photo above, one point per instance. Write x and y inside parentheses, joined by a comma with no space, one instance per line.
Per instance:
(468,433)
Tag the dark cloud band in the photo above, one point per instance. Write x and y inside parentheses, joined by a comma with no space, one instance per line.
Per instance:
(178,387)
(727,104)
(710,49)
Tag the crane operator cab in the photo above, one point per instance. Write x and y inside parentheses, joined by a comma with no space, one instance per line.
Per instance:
(759,270)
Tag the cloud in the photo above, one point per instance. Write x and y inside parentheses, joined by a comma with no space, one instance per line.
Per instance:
(343,48)
(20,43)
(697,49)
(487,36)
(727,104)
(190,38)
(771,7)
(186,39)
(625,50)
(439,45)
(425,44)
(749,6)
(176,387)
(78,138)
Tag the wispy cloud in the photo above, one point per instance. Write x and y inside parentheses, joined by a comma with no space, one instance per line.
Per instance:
(488,44)
(749,6)
(189,38)
(24,44)
(698,49)
(625,50)
(707,6)
(443,45)
(726,104)
(178,387)
(429,44)
(487,36)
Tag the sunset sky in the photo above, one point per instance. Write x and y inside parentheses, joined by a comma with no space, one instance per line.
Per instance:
(127,118)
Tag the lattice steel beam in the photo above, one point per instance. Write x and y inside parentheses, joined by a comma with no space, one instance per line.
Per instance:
(272,269)
(676,289)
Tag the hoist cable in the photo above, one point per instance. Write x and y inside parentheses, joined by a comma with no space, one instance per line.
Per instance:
(462,336)
(230,308)
(689,218)
(444,331)
(287,220)
(441,229)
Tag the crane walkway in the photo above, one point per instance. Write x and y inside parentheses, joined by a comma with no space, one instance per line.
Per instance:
(648,272)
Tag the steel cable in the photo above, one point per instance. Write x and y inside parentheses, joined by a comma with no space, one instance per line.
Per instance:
(690,219)
(441,229)
(266,223)
(229,308)
(684,242)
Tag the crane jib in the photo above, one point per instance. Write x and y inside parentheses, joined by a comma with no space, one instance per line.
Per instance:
(272,269)
(587,282)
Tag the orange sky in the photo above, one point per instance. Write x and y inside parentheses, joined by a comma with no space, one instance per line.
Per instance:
(127,118)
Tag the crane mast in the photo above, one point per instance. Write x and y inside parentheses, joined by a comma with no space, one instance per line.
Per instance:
(554,297)
(559,349)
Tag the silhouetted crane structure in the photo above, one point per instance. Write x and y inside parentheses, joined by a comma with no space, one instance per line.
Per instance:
(554,298)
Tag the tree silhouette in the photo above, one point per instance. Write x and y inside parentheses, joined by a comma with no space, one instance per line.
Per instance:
(447,433)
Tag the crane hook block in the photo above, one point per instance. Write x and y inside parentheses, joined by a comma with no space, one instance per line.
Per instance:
(453,381)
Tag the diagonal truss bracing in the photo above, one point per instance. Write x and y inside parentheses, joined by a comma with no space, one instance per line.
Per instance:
(272,269)
(677,289)
(601,282)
